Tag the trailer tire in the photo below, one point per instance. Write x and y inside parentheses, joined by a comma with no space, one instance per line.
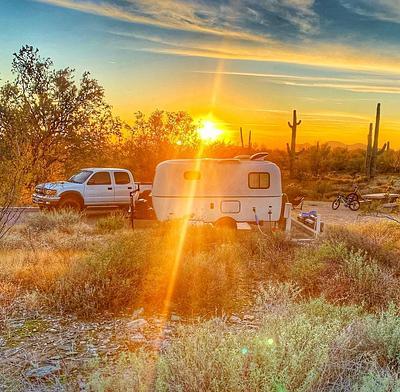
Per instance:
(226,222)
(70,202)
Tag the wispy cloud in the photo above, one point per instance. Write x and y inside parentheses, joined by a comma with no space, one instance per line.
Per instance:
(385,10)
(362,84)
(245,20)
(319,54)
(255,30)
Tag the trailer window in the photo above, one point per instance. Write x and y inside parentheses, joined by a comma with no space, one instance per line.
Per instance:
(192,175)
(259,180)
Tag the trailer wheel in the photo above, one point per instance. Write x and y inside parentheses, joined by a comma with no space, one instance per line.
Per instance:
(226,222)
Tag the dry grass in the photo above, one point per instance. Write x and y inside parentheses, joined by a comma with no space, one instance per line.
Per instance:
(217,272)
(311,346)
(325,313)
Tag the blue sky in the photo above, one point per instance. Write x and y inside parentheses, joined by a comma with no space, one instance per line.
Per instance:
(241,63)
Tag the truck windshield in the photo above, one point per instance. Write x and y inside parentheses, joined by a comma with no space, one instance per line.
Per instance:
(81,177)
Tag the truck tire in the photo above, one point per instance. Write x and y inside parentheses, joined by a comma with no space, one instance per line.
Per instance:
(70,202)
(226,222)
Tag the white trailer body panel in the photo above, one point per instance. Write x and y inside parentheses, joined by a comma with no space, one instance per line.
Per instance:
(210,189)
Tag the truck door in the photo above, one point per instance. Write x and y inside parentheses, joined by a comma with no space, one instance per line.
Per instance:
(123,187)
(99,189)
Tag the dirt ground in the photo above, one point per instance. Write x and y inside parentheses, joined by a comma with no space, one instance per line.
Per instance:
(342,215)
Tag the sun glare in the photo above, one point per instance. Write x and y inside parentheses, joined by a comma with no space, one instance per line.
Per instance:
(209,132)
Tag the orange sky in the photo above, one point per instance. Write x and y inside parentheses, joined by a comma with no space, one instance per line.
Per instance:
(245,63)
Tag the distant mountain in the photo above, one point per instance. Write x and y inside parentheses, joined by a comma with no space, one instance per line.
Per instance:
(355,146)
(335,144)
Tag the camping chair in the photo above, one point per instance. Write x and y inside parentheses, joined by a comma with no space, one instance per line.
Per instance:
(297,202)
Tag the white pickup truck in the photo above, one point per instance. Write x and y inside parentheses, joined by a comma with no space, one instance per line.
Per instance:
(91,187)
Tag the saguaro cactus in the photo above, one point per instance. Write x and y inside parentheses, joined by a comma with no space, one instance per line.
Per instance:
(249,146)
(292,149)
(368,153)
(372,147)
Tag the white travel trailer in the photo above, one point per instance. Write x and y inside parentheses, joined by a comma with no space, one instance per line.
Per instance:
(221,191)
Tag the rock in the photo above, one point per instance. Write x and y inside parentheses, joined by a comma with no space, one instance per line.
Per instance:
(235,319)
(137,324)
(137,338)
(175,317)
(248,317)
(43,372)
(2,342)
(137,313)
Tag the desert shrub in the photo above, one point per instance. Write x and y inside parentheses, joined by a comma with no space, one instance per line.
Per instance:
(294,190)
(152,268)
(343,274)
(377,381)
(271,258)
(302,347)
(366,353)
(53,220)
(311,265)
(288,352)
(321,188)
(361,280)
(213,281)
(110,223)
(276,294)
(107,279)
(138,376)
(378,240)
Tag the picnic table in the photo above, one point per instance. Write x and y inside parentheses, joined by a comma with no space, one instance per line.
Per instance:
(389,200)
(390,197)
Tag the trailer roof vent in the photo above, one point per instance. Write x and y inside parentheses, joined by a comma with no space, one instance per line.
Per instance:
(260,156)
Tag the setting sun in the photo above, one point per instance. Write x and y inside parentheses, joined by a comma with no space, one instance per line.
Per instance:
(209,132)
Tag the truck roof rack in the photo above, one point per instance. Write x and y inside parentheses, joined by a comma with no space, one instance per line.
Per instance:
(259,156)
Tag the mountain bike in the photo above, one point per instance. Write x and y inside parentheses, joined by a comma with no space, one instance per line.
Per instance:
(351,203)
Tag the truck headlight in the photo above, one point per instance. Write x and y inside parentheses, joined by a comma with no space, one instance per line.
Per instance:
(50,192)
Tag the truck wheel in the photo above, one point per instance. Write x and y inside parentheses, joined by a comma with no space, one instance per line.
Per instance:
(70,203)
(226,222)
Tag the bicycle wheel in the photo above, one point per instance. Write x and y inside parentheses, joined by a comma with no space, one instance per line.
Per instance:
(335,204)
(352,196)
(354,205)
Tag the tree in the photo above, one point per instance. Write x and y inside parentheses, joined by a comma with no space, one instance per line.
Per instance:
(51,117)
(161,136)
